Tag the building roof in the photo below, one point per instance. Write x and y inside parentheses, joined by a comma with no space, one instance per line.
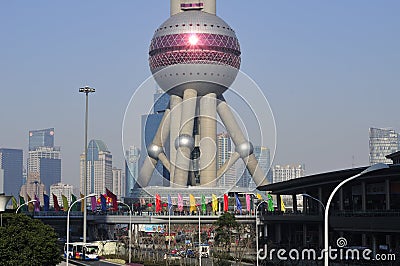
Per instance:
(101,146)
(300,185)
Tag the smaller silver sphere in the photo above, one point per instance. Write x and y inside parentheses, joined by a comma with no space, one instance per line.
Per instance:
(184,140)
(154,150)
(244,149)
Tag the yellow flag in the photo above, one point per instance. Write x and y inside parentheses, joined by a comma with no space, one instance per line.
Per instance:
(82,203)
(30,205)
(214,203)
(192,201)
(282,205)
(65,202)
(258,195)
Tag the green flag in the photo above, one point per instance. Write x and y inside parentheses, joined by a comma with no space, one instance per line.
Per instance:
(22,202)
(75,207)
(203,204)
(65,202)
(14,202)
(270,203)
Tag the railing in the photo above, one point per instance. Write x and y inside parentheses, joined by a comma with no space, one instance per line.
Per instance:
(367,213)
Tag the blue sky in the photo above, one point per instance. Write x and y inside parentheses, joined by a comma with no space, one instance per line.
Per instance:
(329,69)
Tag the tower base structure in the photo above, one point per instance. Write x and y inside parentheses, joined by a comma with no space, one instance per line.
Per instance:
(190,126)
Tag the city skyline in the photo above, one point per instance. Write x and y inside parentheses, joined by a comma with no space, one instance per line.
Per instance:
(327,82)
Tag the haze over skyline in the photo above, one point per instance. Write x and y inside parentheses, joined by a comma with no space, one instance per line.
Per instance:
(328,69)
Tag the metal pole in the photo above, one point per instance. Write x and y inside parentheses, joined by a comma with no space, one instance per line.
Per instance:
(169,228)
(256,211)
(85,90)
(69,209)
(26,203)
(326,240)
(320,202)
(198,212)
(130,229)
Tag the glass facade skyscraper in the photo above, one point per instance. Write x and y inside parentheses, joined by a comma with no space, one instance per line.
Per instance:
(11,165)
(99,168)
(382,142)
(149,126)
(41,138)
(131,169)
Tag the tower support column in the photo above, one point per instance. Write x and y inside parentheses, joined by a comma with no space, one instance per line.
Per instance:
(208,139)
(185,141)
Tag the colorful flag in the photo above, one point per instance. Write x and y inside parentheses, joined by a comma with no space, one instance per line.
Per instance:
(37,204)
(14,203)
(282,204)
(270,202)
(75,207)
(46,200)
(214,203)
(82,203)
(103,203)
(238,203)
(258,195)
(93,203)
(56,206)
(158,203)
(226,202)
(169,204)
(30,205)
(192,202)
(248,207)
(203,204)
(113,198)
(65,202)
(180,202)
(142,202)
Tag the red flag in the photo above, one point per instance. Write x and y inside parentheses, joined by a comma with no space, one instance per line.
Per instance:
(158,203)
(56,206)
(225,202)
(113,198)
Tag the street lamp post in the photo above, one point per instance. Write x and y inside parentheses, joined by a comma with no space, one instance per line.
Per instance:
(26,203)
(374,167)
(130,229)
(258,205)
(85,90)
(69,209)
(311,197)
(198,212)
(169,227)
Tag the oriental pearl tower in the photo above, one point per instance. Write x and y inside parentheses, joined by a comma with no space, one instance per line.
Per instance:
(194,56)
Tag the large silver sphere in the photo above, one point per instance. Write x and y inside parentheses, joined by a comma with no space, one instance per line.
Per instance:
(244,149)
(196,50)
(184,140)
(154,150)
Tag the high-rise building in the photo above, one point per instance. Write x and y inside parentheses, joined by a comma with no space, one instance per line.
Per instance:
(264,161)
(131,169)
(41,138)
(46,163)
(224,153)
(99,168)
(282,173)
(11,166)
(61,189)
(382,142)
(118,181)
(149,126)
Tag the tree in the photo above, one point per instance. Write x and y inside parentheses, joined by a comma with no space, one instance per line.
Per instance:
(225,225)
(26,241)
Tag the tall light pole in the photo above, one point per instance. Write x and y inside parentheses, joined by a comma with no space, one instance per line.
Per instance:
(258,205)
(311,197)
(86,90)
(130,228)
(198,212)
(69,209)
(374,167)
(169,227)
(26,203)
